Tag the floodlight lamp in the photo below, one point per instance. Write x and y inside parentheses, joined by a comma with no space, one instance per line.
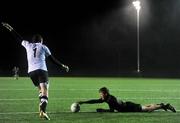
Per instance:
(137,5)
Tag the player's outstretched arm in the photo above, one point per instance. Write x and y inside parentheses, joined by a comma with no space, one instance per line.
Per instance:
(55,61)
(93,101)
(11,29)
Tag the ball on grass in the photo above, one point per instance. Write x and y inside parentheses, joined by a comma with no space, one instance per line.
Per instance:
(75,107)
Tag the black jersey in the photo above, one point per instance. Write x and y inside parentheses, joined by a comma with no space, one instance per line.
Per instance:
(119,106)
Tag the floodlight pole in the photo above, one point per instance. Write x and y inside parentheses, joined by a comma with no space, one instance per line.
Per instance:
(138,7)
(138,43)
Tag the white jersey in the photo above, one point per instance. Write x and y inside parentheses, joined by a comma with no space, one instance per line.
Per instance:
(36,55)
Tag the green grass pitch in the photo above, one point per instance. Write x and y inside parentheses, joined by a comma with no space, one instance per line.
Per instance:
(19,99)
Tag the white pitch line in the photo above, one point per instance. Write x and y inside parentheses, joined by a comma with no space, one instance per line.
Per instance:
(15,113)
(133,98)
(25,113)
(119,90)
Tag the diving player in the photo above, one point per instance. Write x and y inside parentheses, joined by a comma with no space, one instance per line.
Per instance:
(121,106)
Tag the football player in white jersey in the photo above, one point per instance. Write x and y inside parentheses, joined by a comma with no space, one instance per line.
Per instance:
(37,53)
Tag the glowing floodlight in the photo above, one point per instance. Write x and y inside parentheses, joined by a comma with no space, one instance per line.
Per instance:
(137,5)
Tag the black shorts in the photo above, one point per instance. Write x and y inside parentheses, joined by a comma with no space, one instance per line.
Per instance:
(132,107)
(39,76)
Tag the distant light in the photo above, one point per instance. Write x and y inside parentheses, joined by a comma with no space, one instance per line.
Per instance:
(137,5)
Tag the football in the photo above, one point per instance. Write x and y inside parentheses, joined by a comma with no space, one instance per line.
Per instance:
(75,107)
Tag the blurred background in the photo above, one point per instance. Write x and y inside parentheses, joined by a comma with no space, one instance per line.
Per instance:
(96,37)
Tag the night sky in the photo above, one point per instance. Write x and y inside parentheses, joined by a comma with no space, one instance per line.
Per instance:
(96,37)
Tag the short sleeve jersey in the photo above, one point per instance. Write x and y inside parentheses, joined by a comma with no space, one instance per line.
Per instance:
(36,55)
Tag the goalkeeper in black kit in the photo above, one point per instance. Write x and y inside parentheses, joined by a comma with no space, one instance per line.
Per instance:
(120,106)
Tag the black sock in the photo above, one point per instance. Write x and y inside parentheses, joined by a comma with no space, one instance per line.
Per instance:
(43,103)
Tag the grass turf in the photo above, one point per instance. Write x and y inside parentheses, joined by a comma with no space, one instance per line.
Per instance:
(19,99)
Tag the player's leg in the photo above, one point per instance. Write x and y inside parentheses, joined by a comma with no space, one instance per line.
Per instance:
(40,95)
(39,89)
(36,78)
(169,107)
(43,96)
(44,100)
(151,107)
(44,86)
(16,76)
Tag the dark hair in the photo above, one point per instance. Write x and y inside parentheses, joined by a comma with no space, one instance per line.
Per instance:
(37,38)
(104,90)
